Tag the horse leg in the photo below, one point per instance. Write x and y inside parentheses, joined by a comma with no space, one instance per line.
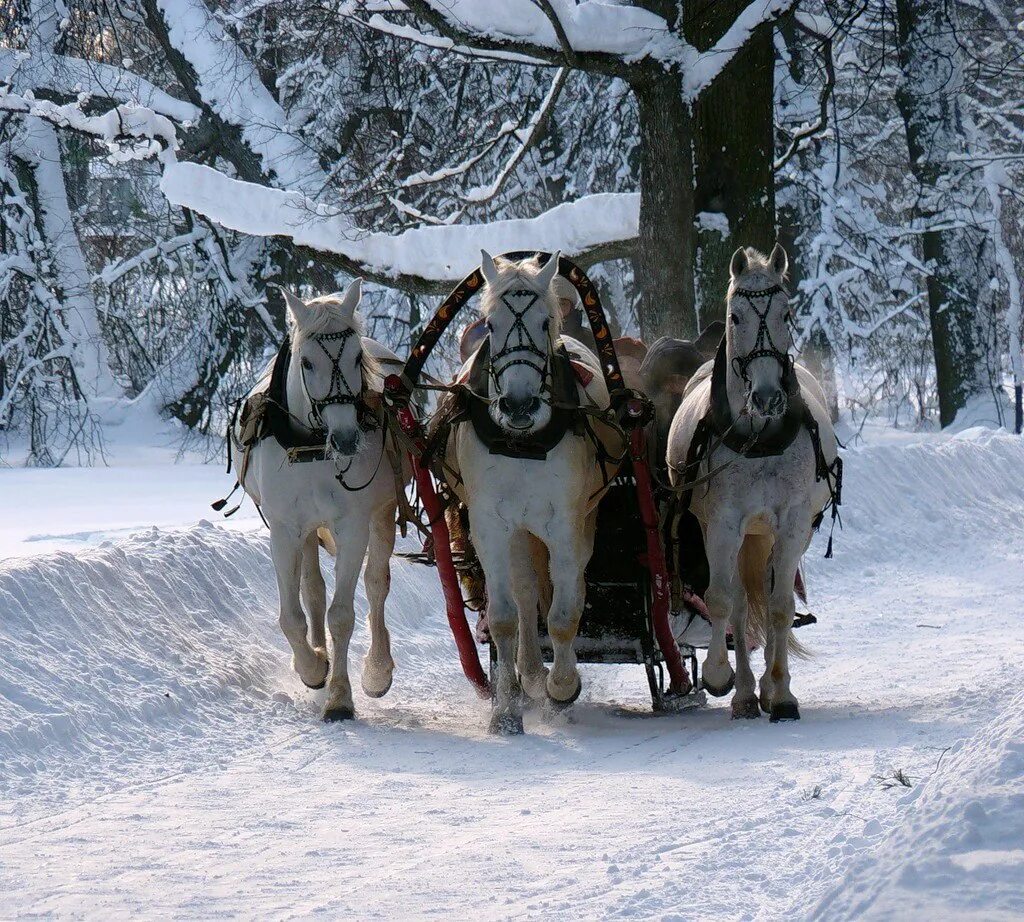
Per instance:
(781,703)
(569,553)
(723,544)
(378,666)
(494,546)
(341,616)
(286,548)
(529,571)
(744,702)
(314,591)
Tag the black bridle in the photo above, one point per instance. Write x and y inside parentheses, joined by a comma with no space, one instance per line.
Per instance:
(525,343)
(764,347)
(340,392)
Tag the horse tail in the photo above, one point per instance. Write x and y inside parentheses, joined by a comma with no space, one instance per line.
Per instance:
(755,568)
(326,540)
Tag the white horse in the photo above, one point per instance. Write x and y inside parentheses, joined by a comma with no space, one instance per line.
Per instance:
(532,521)
(759,510)
(346,500)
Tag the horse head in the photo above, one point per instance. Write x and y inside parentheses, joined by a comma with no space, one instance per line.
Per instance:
(758,336)
(326,374)
(522,316)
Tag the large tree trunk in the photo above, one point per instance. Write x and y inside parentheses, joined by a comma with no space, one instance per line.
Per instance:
(734,142)
(955,246)
(663,265)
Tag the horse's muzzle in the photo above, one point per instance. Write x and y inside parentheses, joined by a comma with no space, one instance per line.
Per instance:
(518,413)
(345,443)
(768,402)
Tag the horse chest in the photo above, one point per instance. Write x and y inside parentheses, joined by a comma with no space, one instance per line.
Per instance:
(760,488)
(309,493)
(526,493)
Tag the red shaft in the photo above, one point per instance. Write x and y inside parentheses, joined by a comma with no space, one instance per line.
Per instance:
(456,609)
(679,680)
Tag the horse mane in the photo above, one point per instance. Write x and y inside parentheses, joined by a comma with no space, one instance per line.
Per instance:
(525,270)
(328,316)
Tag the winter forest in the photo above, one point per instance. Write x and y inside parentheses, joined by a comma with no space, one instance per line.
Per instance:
(165,164)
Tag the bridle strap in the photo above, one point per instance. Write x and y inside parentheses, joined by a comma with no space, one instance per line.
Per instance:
(339,393)
(524,341)
(764,346)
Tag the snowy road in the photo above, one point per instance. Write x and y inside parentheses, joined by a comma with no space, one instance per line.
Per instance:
(157,756)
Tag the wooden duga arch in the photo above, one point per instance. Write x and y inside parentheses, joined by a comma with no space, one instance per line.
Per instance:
(632,411)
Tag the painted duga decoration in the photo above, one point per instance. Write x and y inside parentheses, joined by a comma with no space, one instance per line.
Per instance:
(756,422)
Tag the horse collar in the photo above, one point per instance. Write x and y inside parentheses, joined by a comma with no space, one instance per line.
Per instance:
(536,445)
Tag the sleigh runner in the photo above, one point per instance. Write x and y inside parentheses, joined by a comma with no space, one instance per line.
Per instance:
(627,609)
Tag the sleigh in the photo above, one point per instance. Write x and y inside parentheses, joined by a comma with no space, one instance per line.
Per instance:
(626,618)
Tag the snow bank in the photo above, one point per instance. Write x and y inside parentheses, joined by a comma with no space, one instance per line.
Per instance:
(435,253)
(135,657)
(960,851)
(936,496)
(103,654)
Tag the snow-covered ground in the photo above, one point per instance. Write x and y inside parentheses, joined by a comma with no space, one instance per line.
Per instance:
(158,757)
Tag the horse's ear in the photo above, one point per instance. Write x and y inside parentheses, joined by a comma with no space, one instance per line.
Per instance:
(739,263)
(296,307)
(549,271)
(488,267)
(779,259)
(350,300)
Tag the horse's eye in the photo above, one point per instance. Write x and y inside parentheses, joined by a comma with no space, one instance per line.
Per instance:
(488,326)
(788,317)
(734,318)
(307,364)
(547,323)
(359,359)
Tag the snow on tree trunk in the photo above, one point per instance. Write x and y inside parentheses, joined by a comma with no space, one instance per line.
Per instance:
(39,149)
(952,207)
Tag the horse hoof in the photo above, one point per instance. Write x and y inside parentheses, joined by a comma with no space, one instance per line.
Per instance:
(745,709)
(323,681)
(784,710)
(560,704)
(718,691)
(506,724)
(377,694)
(338,713)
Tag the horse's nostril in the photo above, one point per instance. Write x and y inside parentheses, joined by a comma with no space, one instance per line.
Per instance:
(534,405)
(344,444)
(505,405)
